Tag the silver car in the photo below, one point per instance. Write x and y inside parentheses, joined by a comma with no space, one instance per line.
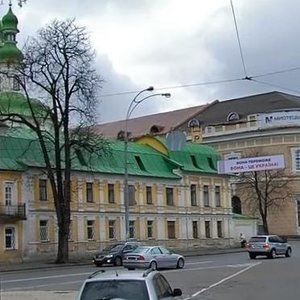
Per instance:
(127,285)
(154,257)
(268,245)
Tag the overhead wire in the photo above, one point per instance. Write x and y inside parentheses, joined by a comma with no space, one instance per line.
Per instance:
(238,38)
(246,77)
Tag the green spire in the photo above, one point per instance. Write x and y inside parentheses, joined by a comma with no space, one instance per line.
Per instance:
(10,21)
(9,52)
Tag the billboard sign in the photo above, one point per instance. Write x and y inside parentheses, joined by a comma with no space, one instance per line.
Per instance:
(251,164)
(282,118)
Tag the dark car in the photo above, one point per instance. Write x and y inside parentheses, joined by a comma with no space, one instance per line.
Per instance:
(113,255)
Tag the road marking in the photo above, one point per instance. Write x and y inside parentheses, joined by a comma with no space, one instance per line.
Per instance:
(199,262)
(45,277)
(223,280)
(43,285)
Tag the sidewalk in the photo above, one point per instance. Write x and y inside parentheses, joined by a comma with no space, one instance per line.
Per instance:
(10,267)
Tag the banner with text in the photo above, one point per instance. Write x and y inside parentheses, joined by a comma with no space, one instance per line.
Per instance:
(251,164)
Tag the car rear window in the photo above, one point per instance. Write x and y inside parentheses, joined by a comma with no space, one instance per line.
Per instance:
(260,239)
(109,289)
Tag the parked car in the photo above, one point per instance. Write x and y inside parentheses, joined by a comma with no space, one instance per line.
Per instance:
(127,285)
(268,245)
(154,257)
(113,255)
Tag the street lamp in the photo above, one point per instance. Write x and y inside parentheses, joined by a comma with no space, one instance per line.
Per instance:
(133,104)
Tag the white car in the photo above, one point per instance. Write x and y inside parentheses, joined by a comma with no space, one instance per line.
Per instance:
(268,245)
(127,285)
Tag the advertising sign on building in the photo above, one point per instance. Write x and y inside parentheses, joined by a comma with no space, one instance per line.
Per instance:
(251,164)
(280,118)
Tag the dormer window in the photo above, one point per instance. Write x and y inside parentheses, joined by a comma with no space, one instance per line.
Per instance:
(11,37)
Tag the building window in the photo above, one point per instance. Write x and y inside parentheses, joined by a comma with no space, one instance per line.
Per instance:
(150,229)
(8,193)
(111,229)
(296,157)
(90,229)
(171,230)
(111,193)
(220,229)
(207,229)
(10,238)
(206,195)
(218,196)
(298,208)
(149,195)
(170,196)
(236,205)
(89,192)
(131,229)
(193,195)
(131,195)
(43,189)
(195,229)
(44,231)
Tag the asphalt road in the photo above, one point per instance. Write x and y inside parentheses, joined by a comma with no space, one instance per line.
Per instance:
(215,277)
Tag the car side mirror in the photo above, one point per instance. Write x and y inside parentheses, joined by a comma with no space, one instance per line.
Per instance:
(177,292)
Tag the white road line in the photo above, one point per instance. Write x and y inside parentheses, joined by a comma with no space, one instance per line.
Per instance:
(223,280)
(45,277)
(200,262)
(40,286)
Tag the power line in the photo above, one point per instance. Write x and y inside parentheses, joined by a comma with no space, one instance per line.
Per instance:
(275,85)
(238,38)
(277,72)
(177,86)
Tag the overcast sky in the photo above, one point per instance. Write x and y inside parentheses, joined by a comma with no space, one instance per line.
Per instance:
(171,43)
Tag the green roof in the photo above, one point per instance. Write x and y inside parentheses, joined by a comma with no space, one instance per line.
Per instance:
(18,153)
(13,102)
(10,21)
(9,52)
(196,158)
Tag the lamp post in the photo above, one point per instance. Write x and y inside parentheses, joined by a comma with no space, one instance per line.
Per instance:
(133,104)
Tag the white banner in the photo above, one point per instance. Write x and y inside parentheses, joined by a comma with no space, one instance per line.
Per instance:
(279,118)
(251,164)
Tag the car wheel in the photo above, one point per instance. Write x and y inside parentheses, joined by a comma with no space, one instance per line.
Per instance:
(118,261)
(130,269)
(98,264)
(272,254)
(153,265)
(288,252)
(252,255)
(180,263)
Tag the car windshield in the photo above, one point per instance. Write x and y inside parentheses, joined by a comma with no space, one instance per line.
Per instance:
(109,289)
(141,250)
(113,247)
(260,239)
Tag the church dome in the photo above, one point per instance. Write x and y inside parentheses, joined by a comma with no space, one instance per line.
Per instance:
(10,21)
(9,53)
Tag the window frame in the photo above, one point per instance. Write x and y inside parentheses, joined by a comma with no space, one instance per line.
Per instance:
(206,200)
(193,194)
(169,196)
(44,230)
(111,193)
(43,190)
(89,192)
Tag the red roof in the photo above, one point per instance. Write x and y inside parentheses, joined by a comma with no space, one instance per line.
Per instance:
(160,123)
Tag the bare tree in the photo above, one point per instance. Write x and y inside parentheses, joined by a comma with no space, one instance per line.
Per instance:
(58,70)
(264,191)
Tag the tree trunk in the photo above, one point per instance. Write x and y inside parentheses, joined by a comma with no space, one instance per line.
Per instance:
(265,225)
(63,242)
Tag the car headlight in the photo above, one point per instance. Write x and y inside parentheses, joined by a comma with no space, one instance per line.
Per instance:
(109,256)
